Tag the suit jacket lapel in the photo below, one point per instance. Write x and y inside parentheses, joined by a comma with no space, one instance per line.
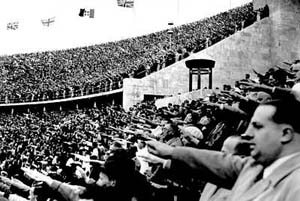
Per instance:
(257,189)
(284,169)
(208,191)
(261,185)
(246,180)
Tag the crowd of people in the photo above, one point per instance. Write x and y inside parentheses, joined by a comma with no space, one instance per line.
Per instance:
(241,142)
(151,153)
(86,70)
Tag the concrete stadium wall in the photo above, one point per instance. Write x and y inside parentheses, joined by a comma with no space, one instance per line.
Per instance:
(264,44)
(276,5)
(168,81)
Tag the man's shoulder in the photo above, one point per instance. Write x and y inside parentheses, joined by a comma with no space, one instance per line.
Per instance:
(289,170)
(289,186)
(292,177)
(295,177)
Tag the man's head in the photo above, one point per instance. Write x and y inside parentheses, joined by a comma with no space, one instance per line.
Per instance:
(235,145)
(141,143)
(274,130)
(115,146)
(191,118)
(230,144)
(263,97)
(105,181)
(170,130)
(117,169)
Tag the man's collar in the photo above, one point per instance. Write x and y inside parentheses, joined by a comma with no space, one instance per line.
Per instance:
(285,166)
(268,170)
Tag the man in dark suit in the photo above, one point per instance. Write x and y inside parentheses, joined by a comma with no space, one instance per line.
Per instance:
(272,173)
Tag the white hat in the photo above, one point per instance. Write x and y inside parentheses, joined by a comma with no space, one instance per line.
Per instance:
(296,91)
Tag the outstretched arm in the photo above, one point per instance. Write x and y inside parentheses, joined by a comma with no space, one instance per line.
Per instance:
(69,192)
(216,167)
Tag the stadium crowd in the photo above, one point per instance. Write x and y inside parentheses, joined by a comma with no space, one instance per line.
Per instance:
(178,152)
(109,154)
(86,70)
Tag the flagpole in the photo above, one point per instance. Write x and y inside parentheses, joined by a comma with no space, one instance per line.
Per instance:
(178,10)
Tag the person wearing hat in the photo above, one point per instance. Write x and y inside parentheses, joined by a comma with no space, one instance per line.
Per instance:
(187,133)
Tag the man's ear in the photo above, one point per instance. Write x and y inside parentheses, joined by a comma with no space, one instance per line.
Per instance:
(113,182)
(287,135)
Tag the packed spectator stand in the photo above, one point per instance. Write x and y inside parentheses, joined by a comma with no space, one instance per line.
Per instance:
(75,147)
(99,152)
(87,70)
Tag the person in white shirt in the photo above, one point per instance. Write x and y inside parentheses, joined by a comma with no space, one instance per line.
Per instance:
(142,150)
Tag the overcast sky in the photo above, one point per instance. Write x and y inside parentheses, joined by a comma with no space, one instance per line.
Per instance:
(110,23)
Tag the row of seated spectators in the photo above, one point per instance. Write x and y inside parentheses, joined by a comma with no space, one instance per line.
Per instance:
(98,153)
(97,68)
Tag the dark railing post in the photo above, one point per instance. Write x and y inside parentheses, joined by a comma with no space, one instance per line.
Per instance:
(199,79)
(190,80)
(210,79)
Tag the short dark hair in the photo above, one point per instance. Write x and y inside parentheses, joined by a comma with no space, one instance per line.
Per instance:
(242,148)
(118,165)
(287,109)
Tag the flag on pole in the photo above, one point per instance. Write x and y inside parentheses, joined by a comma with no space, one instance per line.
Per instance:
(48,22)
(12,25)
(126,3)
(81,12)
(87,12)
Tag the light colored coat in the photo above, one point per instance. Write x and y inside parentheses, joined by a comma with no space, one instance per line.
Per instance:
(212,192)
(243,175)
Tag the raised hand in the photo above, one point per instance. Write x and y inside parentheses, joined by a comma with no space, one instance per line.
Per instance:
(20,185)
(251,86)
(160,149)
(81,172)
(237,96)
(37,176)
(150,158)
